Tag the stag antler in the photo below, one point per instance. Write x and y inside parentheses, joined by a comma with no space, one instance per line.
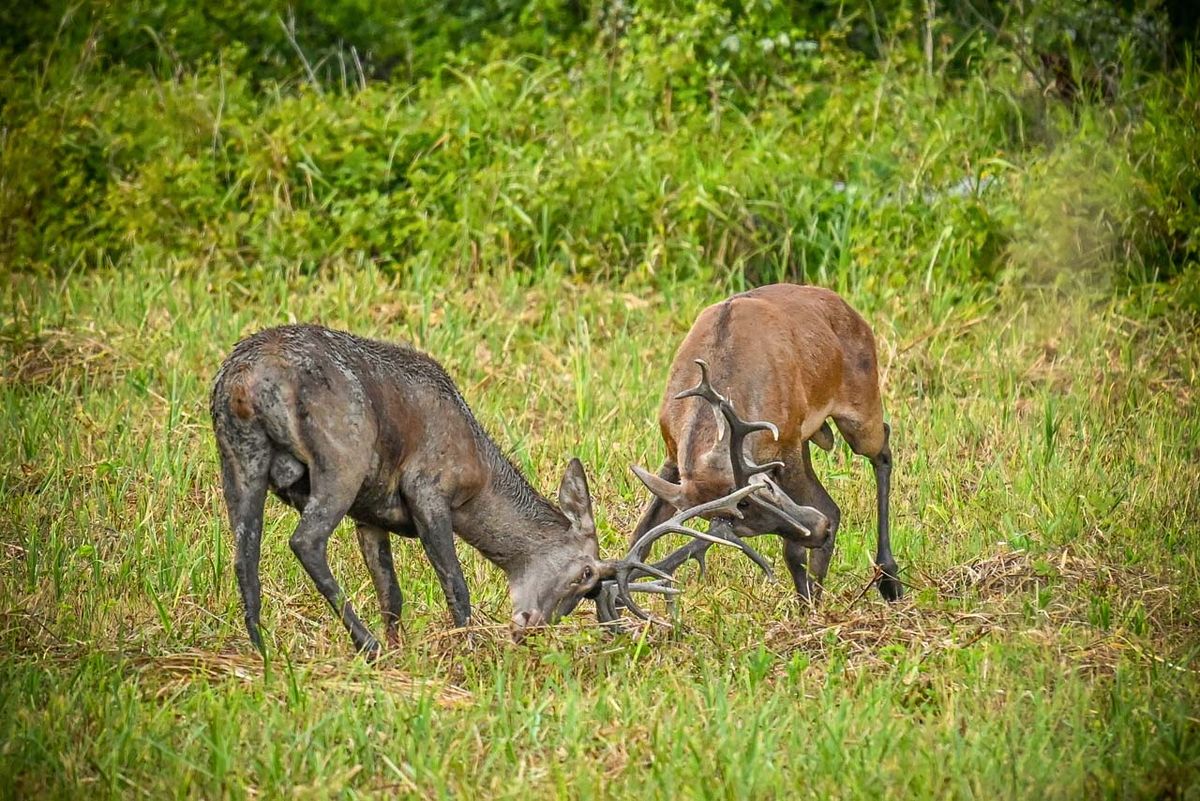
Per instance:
(732,431)
(731,428)
(745,471)
(749,484)
(623,571)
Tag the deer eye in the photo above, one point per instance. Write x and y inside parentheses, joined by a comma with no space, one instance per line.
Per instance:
(587,574)
(743,504)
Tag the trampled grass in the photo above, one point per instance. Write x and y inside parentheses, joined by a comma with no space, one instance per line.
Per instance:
(1045,503)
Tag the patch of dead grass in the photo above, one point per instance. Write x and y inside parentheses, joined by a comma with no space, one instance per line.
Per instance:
(55,355)
(995,597)
(171,672)
(165,675)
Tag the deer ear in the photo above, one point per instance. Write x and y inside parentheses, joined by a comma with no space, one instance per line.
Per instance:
(574,499)
(666,490)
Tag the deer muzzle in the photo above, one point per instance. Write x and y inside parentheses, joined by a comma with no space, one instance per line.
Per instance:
(808,525)
(521,622)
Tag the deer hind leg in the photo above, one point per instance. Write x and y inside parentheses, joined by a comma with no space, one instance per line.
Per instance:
(245,459)
(889,582)
(870,437)
(808,572)
(331,497)
(375,544)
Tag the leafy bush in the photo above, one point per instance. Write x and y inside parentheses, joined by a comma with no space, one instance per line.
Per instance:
(280,40)
(720,138)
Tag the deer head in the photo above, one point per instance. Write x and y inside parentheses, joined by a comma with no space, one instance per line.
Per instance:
(551,584)
(769,510)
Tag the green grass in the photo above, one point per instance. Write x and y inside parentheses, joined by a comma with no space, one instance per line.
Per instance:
(1045,504)
(543,197)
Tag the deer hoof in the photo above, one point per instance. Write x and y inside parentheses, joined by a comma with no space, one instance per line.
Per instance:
(370,650)
(889,585)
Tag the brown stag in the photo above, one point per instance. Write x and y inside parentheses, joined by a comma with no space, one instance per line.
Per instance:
(792,356)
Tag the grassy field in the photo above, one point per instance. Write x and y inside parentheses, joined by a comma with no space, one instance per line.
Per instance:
(1045,503)
(543,195)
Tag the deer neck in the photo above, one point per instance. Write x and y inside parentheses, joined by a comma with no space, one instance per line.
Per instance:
(510,523)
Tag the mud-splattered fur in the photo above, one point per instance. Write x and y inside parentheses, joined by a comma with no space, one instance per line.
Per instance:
(390,362)
(338,425)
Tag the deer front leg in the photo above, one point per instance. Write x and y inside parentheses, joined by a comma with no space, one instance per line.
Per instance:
(434,529)
(808,572)
(819,558)
(376,547)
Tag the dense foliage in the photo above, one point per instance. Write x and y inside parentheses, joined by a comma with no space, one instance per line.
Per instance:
(607,139)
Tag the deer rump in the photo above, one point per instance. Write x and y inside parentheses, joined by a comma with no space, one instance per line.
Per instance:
(307,399)
(305,407)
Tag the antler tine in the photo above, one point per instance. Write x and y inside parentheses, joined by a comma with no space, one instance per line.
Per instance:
(633,565)
(743,470)
(611,592)
(704,389)
(625,587)
(739,429)
(743,466)
(727,504)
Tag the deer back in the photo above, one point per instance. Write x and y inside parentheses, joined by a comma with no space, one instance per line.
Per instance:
(332,399)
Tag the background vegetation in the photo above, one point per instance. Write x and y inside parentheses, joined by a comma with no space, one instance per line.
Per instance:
(543,195)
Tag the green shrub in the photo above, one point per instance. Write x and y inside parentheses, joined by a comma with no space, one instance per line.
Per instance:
(655,150)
